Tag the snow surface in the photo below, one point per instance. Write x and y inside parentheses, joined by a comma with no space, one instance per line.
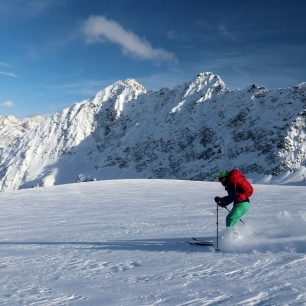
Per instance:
(124,243)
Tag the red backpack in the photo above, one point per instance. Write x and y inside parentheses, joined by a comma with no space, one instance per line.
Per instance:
(243,187)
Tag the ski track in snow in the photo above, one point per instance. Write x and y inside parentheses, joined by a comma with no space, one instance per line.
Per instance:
(124,243)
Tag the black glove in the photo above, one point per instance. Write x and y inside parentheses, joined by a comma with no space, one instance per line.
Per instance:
(220,201)
(217,200)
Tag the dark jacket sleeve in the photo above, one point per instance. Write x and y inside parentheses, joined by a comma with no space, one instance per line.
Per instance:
(231,195)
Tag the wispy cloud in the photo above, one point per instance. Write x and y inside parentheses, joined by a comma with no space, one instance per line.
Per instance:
(8,74)
(168,79)
(100,29)
(8,104)
(29,8)
(273,68)
(225,33)
(7,66)
(4,64)
(51,45)
(84,88)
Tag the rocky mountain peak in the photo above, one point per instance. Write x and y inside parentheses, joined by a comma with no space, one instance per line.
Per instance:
(132,83)
(128,84)
(206,83)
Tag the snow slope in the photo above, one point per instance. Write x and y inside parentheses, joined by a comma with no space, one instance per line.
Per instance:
(123,243)
(189,132)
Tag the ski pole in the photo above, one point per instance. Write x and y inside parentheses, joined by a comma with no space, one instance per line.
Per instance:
(242,221)
(217,248)
(239,219)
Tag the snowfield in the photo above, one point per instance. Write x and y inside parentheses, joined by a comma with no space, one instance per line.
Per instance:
(124,243)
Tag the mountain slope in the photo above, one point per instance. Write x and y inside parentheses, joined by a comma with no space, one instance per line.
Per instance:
(188,132)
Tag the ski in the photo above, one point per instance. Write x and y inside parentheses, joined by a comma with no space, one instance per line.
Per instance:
(199,242)
(199,239)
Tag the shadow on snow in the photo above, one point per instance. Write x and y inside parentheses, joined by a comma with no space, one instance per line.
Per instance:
(146,245)
(175,245)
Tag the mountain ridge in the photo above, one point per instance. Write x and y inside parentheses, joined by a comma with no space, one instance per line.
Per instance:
(188,132)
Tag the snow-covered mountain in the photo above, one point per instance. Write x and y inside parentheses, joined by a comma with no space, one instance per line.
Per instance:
(188,132)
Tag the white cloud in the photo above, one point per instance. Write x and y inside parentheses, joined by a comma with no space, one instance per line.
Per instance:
(99,29)
(8,104)
(8,74)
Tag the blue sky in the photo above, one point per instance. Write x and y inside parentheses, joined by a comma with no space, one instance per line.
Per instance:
(57,52)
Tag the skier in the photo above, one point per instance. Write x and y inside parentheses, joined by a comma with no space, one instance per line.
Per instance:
(239,190)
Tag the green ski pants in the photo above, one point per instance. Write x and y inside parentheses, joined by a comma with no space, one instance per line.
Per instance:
(236,213)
